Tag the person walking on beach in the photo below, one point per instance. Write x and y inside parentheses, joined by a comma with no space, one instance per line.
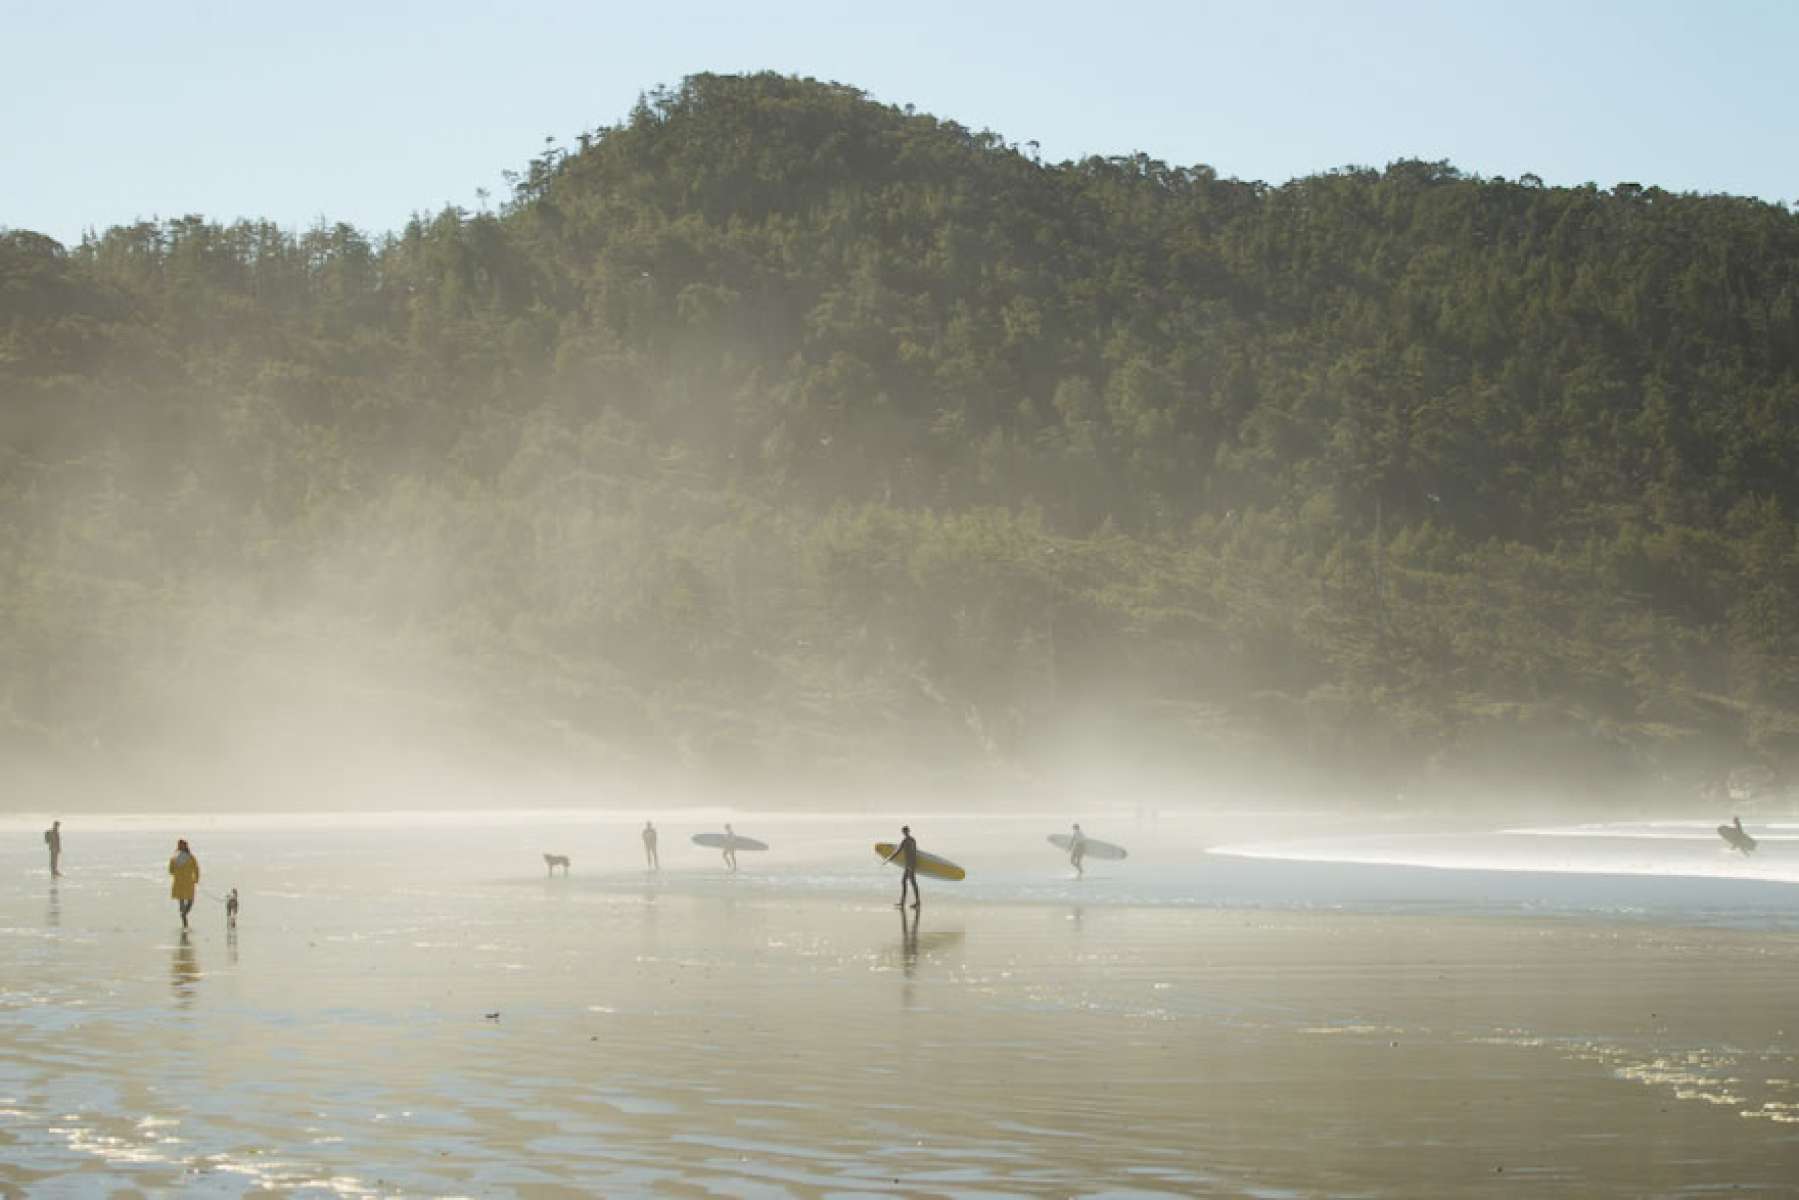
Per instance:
(649,847)
(907,853)
(53,840)
(1077,850)
(184,869)
(730,848)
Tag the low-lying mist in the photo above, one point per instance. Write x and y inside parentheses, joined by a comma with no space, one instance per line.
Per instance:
(777,443)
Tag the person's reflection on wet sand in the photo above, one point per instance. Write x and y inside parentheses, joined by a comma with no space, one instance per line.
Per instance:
(53,915)
(909,942)
(184,969)
(909,959)
(914,946)
(231,944)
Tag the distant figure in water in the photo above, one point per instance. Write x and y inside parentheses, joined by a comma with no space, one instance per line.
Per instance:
(53,840)
(1738,838)
(730,848)
(649,847)
(1077,850)
(184,869)
(907,853)
(231,910)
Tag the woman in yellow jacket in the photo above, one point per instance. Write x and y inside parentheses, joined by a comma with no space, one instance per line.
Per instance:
(185,870)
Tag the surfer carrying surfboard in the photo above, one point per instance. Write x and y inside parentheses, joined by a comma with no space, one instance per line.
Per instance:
(1079,848)
(907,853)
(730,848)
(1737,836)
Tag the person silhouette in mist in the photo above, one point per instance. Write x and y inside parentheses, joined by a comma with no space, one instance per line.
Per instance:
(649,847)
(907,853)
(730,848)
(1077,850)
(53,841)
(184,871)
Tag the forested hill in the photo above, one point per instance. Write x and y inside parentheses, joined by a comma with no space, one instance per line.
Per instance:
(775,433)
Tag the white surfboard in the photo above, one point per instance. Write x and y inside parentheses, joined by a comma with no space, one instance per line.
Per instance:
(718,841)
(1095,847)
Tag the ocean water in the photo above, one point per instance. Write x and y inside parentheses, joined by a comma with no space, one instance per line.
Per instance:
(410,1006)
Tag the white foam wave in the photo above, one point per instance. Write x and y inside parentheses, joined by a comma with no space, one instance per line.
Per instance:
(1677,831)
(1620,849)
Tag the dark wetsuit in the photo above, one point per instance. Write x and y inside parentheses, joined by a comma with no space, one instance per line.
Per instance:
(908,856)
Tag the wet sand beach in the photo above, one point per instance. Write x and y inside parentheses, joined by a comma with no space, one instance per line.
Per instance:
(788,1033)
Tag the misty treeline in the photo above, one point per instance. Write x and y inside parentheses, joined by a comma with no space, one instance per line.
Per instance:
(775,430)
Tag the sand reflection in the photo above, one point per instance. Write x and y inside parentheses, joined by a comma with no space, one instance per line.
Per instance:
(184,969)
(918,947)
(909,957)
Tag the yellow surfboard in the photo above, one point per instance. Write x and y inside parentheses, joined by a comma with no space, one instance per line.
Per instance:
(928,864)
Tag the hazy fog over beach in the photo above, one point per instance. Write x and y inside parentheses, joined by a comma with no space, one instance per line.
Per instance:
(1006,602)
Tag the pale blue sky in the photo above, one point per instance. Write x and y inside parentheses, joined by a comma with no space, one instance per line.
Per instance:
(111,110)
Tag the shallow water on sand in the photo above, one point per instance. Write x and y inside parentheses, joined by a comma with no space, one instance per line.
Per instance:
(1173,1025)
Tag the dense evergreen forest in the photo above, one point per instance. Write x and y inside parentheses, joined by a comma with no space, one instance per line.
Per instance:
(777,434)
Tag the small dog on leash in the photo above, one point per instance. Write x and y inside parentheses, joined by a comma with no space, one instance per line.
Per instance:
(552,861)
(231,910)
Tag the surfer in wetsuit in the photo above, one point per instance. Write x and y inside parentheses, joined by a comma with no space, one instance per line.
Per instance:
(1077,850)
(649,847)
(730,848)
(53,840)
(907,853)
